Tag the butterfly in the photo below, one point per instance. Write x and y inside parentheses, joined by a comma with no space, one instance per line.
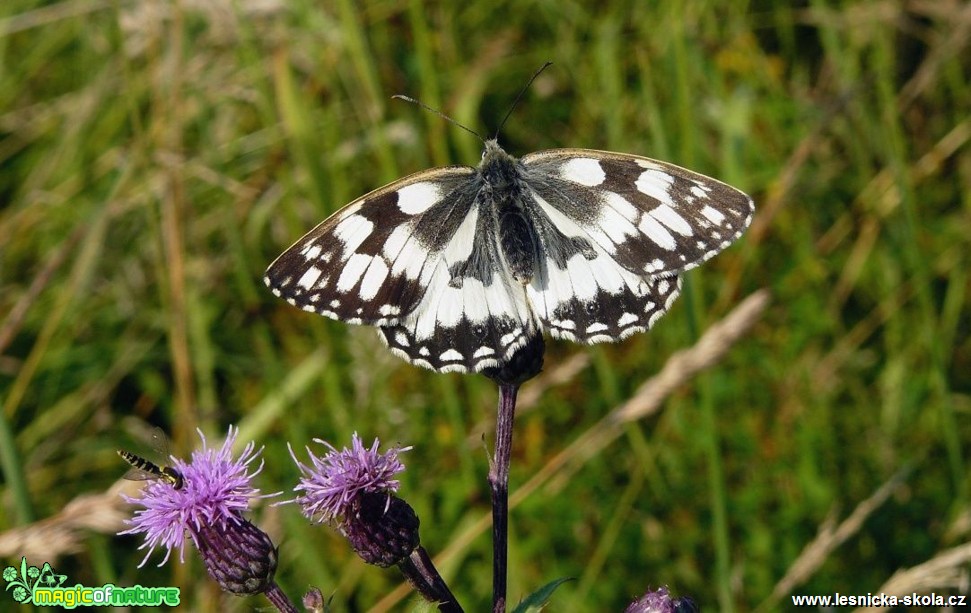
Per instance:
(146,470)
(462,268)
(49,578)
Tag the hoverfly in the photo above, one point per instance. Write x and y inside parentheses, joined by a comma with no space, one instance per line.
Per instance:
(146,470)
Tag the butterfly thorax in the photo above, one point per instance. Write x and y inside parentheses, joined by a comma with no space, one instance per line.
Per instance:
(503,190)
(499,170)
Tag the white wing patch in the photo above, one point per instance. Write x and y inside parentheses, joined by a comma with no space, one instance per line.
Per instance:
(353,231)
(374,278)
(418,197)
(670,218)
(585,171)
(653,230)
(657,184)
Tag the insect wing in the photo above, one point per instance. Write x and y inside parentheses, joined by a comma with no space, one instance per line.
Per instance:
(651,217)
(372,261)
(616,232)
(143,469)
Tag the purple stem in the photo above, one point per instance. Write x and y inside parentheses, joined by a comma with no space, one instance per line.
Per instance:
(422,574)
(278,599)
(499,480)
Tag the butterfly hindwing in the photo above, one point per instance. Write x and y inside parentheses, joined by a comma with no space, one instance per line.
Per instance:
(464,329)
(596,300)
(370,262)
(651,217)
(472,315)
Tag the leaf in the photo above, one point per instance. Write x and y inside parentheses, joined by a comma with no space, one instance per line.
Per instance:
(538,599)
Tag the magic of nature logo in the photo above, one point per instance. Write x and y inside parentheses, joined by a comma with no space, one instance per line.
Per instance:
(44,587)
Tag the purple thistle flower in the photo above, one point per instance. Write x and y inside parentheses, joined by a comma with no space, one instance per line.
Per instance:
(215,492)
(353,489)
(333,484)
(660,601)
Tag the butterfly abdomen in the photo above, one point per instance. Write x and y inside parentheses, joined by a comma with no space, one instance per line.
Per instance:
(517,238)
(504,191)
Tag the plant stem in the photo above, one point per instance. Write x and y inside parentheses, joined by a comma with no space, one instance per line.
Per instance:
(499,481)
(422,574)
(278,599)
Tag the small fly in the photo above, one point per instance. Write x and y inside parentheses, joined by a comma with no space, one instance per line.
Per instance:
(146,470)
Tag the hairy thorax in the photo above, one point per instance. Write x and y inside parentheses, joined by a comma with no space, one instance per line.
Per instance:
(504,192)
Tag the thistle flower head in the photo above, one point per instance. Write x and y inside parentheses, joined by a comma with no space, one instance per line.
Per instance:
(217,489)
(354,490)
(333,484)
(660,601)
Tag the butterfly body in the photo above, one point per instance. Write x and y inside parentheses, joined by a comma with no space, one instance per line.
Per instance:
(463,268)
(143,470)
(504,191)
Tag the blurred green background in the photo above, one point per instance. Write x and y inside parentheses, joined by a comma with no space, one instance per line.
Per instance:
(156,156)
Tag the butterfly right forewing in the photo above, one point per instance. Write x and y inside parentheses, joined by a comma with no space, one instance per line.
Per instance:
(651,217)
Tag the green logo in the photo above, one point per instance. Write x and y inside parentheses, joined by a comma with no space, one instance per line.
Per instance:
(30,578)
(43,587)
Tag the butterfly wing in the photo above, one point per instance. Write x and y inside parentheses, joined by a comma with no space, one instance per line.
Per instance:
(369,263)
(651,217)
(474,316)
(617,231)
(415,258)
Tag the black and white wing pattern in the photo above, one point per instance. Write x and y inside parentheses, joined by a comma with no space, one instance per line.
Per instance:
(416,259)
(461,268)
(617,231)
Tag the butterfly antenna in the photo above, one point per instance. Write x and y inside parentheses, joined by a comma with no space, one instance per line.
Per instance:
(519,97)
(439,113)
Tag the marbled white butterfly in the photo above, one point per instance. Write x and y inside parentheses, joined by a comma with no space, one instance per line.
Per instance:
(462,269)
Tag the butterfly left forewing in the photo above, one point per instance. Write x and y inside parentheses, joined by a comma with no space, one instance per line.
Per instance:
(651,217)
(368,263)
